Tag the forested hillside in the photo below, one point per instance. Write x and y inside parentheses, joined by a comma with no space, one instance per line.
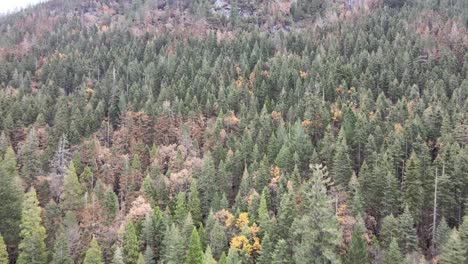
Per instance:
(234,132)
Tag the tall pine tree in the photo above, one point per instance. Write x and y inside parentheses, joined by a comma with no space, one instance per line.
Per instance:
(93,254)
(130,244)
(32,249)
(194,252)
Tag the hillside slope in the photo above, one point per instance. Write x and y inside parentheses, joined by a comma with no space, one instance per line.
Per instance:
(304,131)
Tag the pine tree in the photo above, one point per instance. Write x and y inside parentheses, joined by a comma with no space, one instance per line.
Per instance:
(72,193)
(149,256)
(130,244)
(282,255)
(173,246)
(222,258)
(61,254)
(118,257)
(393,254)
(342,170)
(202,236)
(32,249)
(141,259)
(408,238)
(463,228)
(206,183)
(30,158)
(413,193)
(263,215)
(109,206)
(194,205)
(442,234)
(11,197)
(86,178)
(233,257)
(389,230)
(194,253)
(316,233)
(186,229)
(262,175)
(154,227)
(453,251)
(180,210)
(94,253)
(3,251)
(357,250)
(218,239)
(357,202)
(267,250)
(286,215)
(390,193)
(208,257)
(284,158)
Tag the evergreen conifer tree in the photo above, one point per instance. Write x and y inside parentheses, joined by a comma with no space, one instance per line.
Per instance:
(130,245)
(32,248)
(453,251)
(72,194)
(3,252)
(408,238)
(316,233)
(194,253)
(11,197)
(94,253)
(357,250)
(118,257)
(393,254)
(342,169)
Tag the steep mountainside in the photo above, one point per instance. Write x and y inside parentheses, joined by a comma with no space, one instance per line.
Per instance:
(243,131)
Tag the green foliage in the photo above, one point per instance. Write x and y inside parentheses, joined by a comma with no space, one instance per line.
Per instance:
(393,254)
(94,253)
(218,239)
(208,257)
(3,252)
(118,257)
(71,198)
(413,194)
(264,215)
(173,246)
(194,253)
(233,257)
(229,122)
(194,205)
(282,253)
(267,250)
(286,216)
(442,234)
(316,233)
(149,257)
(130,245)
(109,205)
(357,250)
(389,230)
(304,9)
(11,197)
(453,250)
(32,248)
(61,254)
(408,238)
(463,232)
(342,170)
(141,259)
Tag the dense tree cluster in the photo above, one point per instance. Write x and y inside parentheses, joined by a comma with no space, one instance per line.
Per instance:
(129,137)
